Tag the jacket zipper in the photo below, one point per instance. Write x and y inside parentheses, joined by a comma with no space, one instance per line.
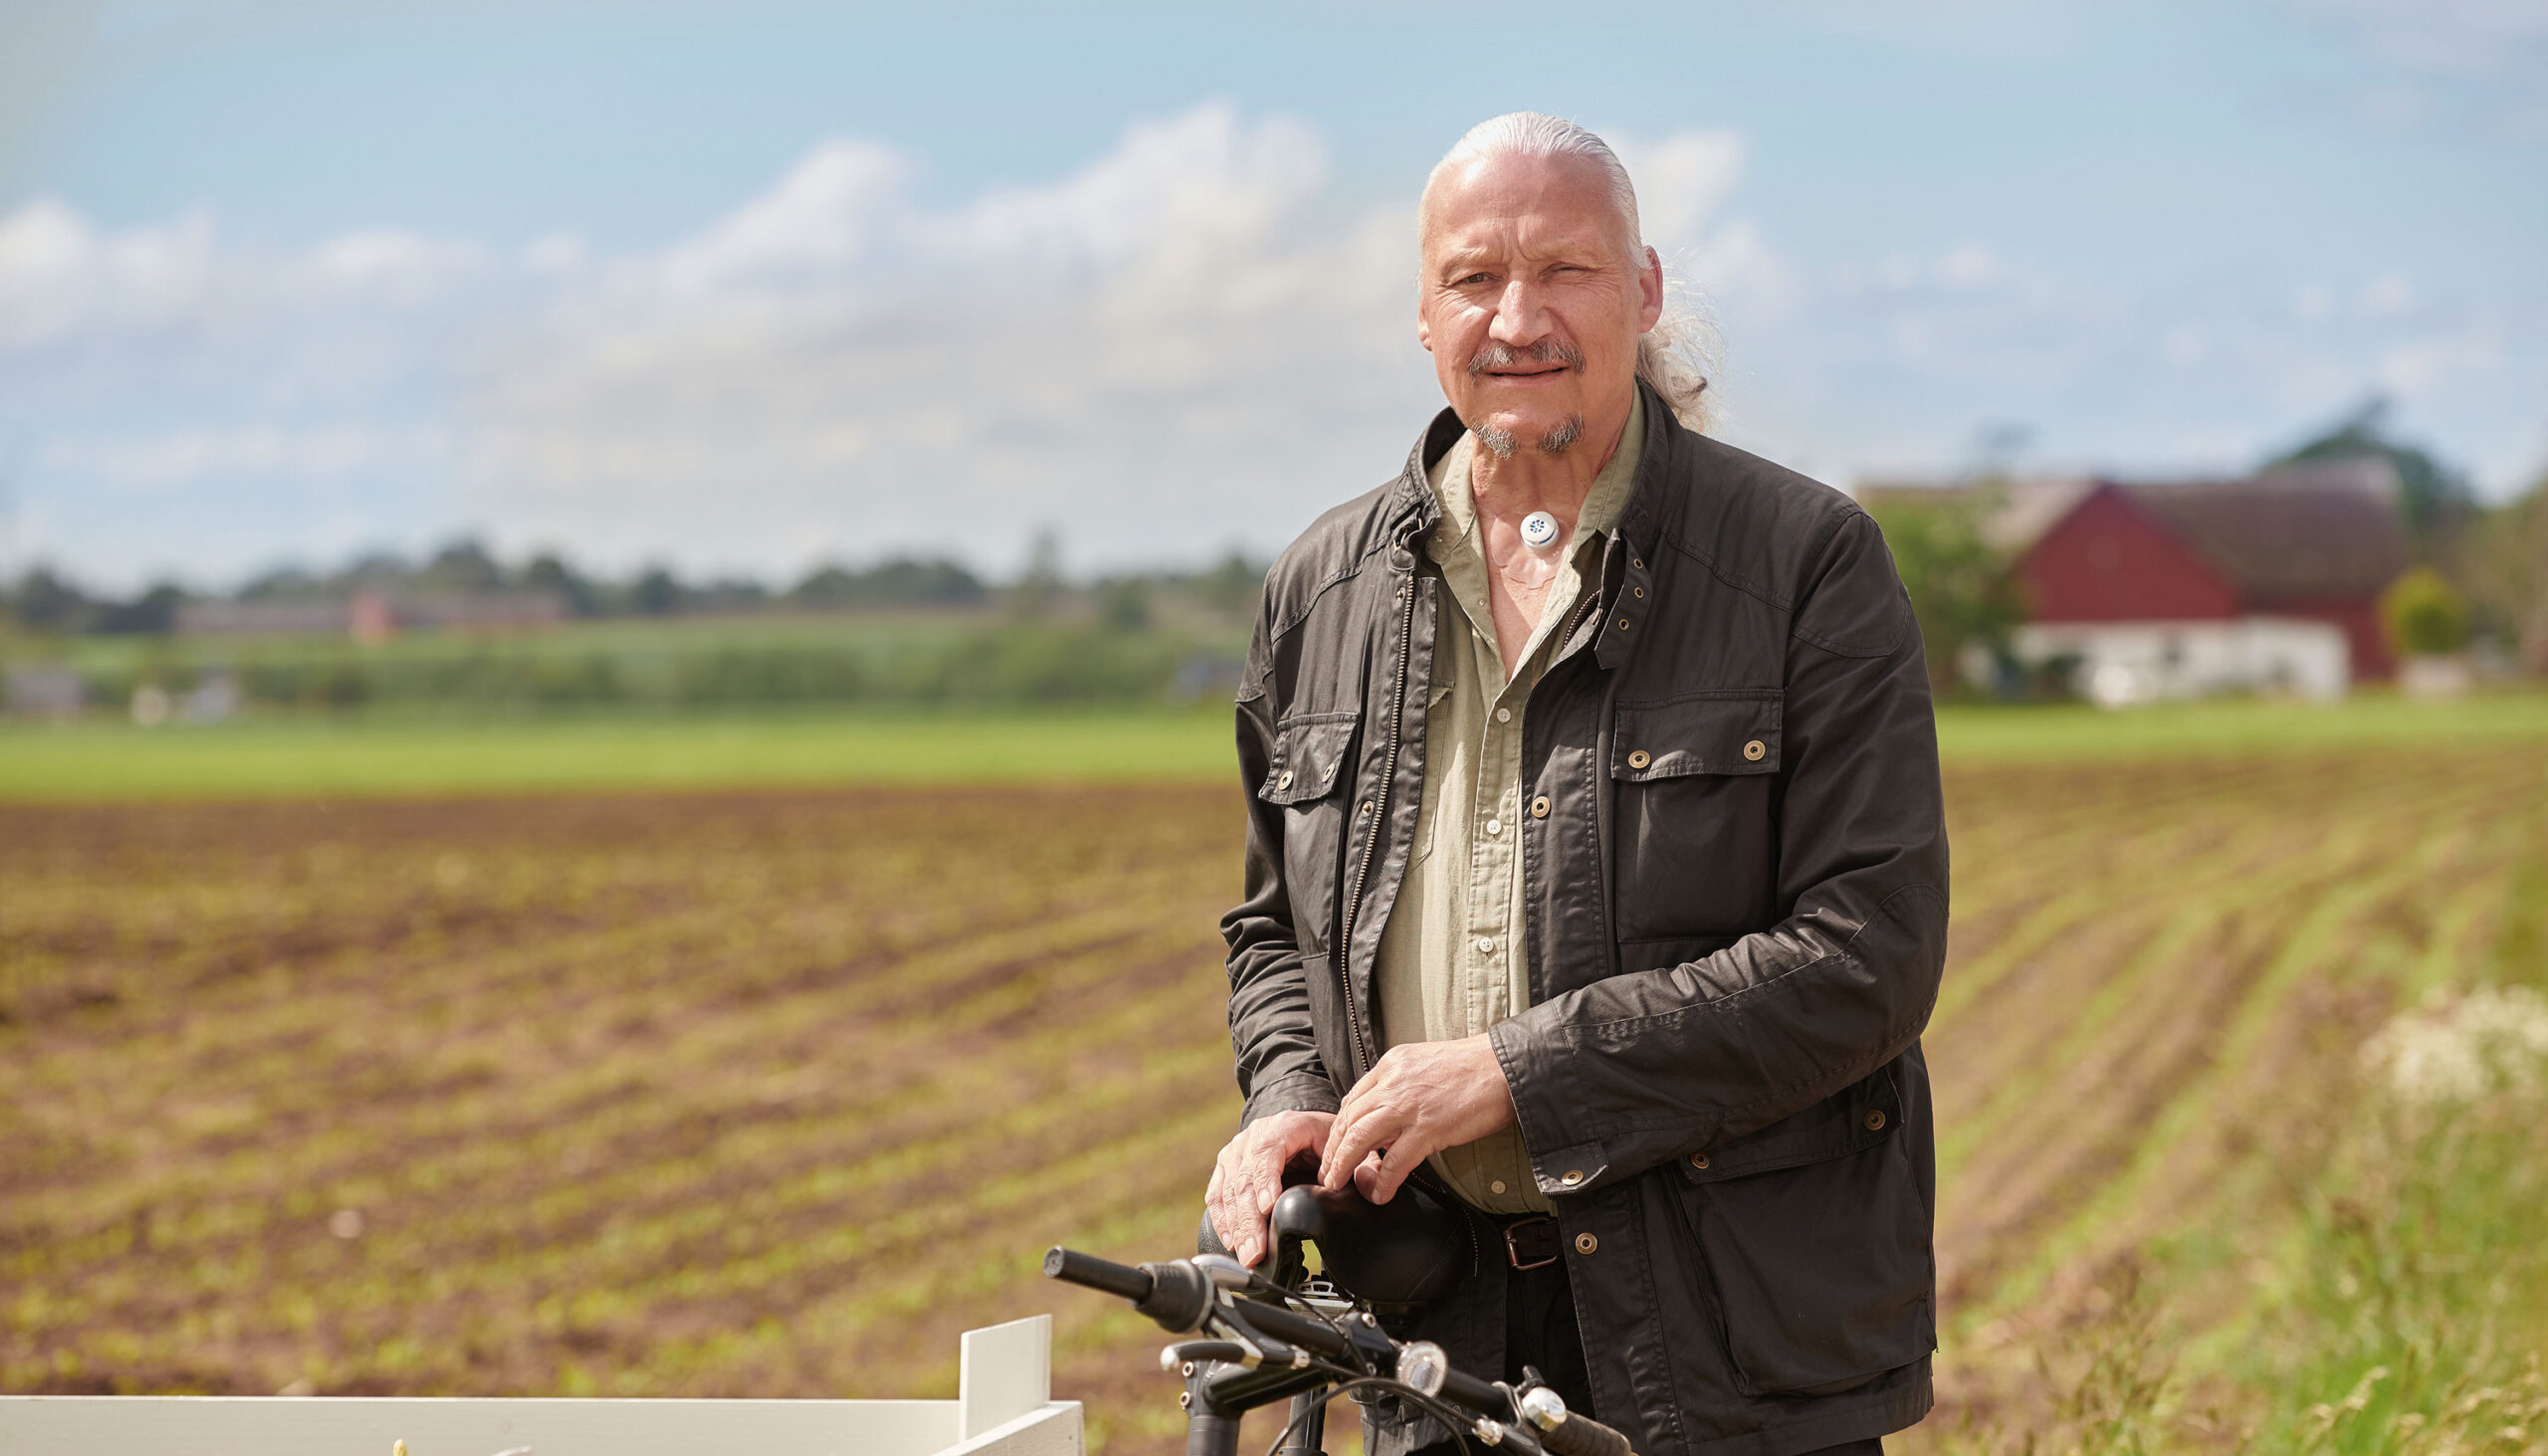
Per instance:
(1380,813)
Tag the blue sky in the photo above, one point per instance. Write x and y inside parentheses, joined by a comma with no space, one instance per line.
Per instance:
(750,287)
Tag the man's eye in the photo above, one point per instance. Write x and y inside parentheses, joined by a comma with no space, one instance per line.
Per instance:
(1474,279)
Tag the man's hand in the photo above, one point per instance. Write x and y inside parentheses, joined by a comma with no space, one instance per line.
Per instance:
(1249,1178)
(1421,1098)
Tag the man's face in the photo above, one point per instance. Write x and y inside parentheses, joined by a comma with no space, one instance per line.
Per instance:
(1531,300)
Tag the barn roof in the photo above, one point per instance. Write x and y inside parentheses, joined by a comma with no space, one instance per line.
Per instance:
(2306,533)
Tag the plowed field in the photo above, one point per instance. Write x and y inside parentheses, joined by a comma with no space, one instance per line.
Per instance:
(773,1093)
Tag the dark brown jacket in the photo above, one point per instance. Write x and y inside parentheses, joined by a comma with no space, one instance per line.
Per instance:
(1735,873)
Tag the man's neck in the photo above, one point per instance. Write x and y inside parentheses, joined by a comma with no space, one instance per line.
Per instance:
(1507,488)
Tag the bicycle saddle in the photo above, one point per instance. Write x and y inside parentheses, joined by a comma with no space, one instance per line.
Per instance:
(1395,1256)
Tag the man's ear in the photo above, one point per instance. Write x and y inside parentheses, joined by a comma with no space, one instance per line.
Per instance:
(1649,292)
(1423,328)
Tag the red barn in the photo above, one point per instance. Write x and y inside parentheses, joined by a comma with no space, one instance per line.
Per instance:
(2310,543)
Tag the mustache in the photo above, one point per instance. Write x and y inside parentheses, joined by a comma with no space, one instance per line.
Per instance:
(1546,352)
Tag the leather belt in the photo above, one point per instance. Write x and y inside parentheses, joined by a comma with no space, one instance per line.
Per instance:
(1533,1242)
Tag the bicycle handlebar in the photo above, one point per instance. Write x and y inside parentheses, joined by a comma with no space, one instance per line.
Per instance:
(1103,1275)
(1181,1296)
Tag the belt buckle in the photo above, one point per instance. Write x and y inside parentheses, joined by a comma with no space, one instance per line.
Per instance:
(1513,1250)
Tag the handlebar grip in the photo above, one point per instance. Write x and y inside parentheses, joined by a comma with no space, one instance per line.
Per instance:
(1175,1295)
(1582,1435)
(1104,1275)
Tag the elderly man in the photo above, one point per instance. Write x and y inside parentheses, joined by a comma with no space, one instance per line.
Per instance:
(1596,867)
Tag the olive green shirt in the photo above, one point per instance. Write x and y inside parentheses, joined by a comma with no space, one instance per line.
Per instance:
(1451,961)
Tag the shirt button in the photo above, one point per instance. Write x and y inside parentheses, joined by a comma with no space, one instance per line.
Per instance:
(1496,1187)
(1540,807)
(1486,944)
(1495,826)
(1584,1243)
(1504,714)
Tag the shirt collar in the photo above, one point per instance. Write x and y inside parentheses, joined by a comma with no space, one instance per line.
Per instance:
(1449,480)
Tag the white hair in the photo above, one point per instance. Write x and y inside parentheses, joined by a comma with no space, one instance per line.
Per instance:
(1672,357)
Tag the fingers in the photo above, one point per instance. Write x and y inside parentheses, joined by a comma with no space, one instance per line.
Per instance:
(1249,1177)
(1260,1180)
(1353,1139)
(1379,1177)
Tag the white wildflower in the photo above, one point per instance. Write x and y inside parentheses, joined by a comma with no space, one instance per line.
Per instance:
(2458,1048)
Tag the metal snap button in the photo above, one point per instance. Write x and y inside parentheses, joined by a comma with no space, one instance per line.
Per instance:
(1637,591)
(1573,1176)
(1285,781)
(1623,624)
(1754,749)
(1540,807)
(1699,1160)
(1584,1243)
(1640,759)
(1875,1121)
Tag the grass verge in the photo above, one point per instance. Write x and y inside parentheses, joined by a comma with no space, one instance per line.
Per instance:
(382,756)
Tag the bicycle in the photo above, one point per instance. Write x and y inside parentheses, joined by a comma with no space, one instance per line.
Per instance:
(1291,1337)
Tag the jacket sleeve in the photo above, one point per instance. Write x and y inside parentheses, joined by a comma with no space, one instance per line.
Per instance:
(1279,1067)
(1638,1069)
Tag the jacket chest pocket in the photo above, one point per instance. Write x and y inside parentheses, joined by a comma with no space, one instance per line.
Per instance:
(1310,777)
(1695,838)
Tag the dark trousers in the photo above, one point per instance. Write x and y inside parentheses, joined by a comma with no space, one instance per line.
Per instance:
(1540,1331)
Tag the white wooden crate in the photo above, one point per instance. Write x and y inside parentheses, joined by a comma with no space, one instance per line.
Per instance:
(1004,1408)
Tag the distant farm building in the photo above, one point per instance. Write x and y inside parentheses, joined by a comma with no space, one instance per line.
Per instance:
(370,617)
(2266,584)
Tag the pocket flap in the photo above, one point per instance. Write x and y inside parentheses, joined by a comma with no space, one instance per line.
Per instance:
(1705,732)
(1309,754)
(1850,1121)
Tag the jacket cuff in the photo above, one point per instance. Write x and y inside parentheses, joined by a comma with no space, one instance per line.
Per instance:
(1563,1161)
(1302,1092)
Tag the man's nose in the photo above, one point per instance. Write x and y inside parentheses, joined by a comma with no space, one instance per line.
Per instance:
(1520,315)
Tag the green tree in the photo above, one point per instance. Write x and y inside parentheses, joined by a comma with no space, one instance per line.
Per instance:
(2507,573)
(1963,589)
(550,572)
(2425,614)
(2435,500)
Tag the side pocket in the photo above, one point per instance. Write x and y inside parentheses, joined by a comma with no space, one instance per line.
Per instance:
(1822,1269)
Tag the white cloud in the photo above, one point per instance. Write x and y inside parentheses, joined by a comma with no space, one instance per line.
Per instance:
(59,276)
(2447,37)
(1190,340)
(2485,58)
(179,458)
(1684,182)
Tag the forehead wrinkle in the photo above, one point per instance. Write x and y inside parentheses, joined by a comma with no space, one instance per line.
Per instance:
(1530,238)
(1533,230)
